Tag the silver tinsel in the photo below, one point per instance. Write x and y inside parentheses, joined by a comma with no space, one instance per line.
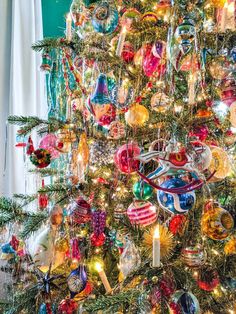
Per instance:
(102,153)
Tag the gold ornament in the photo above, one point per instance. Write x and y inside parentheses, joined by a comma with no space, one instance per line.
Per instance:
(219,4)
(65,136)
(220,163)
(166,241)
(216,222)
(62,245)
(137,115)
(230,247)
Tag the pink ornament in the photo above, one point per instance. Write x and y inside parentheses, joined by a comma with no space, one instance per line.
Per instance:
(200,132)
(125,158)
(49,142)
(142,213)
(150,62)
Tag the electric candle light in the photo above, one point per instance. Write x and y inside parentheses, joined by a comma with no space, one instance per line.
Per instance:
(68,27)
(156,248)
(103,277)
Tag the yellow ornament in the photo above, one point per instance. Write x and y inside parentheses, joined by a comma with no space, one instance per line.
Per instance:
(220,163)
(137,115)
(219,4)
(216,222)
(166,241)
(62,245)
(230,247)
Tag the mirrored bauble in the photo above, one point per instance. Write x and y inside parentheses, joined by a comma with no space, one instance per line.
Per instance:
(105,17)
(142,190)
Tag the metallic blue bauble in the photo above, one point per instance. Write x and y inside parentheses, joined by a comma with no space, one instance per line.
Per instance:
(100,95)
(77,280)
(105,18)
(176,203)
(7,249)
(187,302)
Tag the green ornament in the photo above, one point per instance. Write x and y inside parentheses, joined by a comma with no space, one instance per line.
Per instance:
(142,190)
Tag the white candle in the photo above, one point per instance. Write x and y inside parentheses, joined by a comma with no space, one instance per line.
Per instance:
(121,41)
(68,27)
(103,277)
(156,246)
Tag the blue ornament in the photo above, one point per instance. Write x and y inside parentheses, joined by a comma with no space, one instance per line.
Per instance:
(7,249)
(187,302)
(229,283)
(77,280)
(175,203)
(233,54)
(105,18)
(101,95)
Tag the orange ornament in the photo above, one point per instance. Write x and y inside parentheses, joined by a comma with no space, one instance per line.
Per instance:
(56,216)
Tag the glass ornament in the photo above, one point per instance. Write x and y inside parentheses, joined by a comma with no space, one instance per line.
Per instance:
(150,62)
(160,102)
(185,34)
(178,224)
(47,308)
(56,216)
(139,55)
(116,130)
(100,95)
(122,94)
(102,152)
(232,117)
(105,17)
(219,68)
(142,190)
(41,158)
(149,18)
(29,146)
(79,211)
(49,142)
(129,259)
(127,53)
(108,117)
(137,115)
(193,255)
(228,91)
(89,3)
(46,62)
(207,278)
(176,203)
(163,9)
(77,280)
(189,63)
(219,4)
(200,132)
(186,302)
(119,212)
(202,155)
(124,158)
(216,222)
(142,213)
(233,54)
(220,163)
(159,49)
(230,246)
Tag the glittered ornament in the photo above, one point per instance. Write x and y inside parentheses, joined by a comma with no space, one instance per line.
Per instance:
(184,302)
(98,224)
(230,246)
(142,190)
(137,115)
(175,203)
(207,278)
(193,255)
(142,213)
(127,53)
(178,224)
(105,17)
(220,163)
(67,306)
(125,158)
(166,241)
(49,142)
(160,102)
(216,222)
(77,280)
(102,152)
(79,211)
(116,130)
(129,259)
(56,216)
(100,95)
(41,158)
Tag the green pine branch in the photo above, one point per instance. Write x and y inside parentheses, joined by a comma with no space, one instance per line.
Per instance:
(51,43)
(33,223)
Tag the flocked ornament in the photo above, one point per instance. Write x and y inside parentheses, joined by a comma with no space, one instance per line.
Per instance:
(105,17)
(77,280)
(220,163)
(100,95)
(125,158)
(116,130)
(142,190)
(160,102)
(207,278)
(40,158)
(193,255)
(142,213)
(184,302)
(137,115)
(129,259)
(79,211)
(49,142)
(67,306)
(176,203)
(216,222)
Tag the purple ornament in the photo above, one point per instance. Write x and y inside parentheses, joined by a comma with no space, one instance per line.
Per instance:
(101,95)
(158,49)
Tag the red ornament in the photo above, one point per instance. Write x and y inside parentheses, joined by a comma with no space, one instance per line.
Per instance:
(177,224)
(30,146)
(42,199)
(207,278)
(200,132)
(125,158)
(79,211)
(67,306)
(178,159)
(97,240)
(75,251)
(128,52)
(14,243)
(175,308)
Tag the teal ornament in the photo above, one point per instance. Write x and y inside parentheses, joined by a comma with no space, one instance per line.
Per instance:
(185,34)
(105,18)
(142,190)
(186,302)
(111,83)
(7,249)
(101,95)
(88,3)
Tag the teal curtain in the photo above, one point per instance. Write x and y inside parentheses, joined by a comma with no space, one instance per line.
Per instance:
(54,13)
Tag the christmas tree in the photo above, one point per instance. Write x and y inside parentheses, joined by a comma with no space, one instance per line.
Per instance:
(136,205)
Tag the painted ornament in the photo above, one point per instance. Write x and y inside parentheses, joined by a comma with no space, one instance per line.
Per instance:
(184,302)
(116,130)
(124,158)
(175,203)
(77,280)
(193,256)
(220,163)
(105,17)
(142,213)
(142,190)
(137,115)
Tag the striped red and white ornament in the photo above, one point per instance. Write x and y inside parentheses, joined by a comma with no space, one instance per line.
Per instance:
(142,213)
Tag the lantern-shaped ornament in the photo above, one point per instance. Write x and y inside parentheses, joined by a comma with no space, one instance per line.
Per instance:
(142,213)
(193,255)
(125,158)
(100,95)
(175,203)
(137,115)
(216,222)
(105,17)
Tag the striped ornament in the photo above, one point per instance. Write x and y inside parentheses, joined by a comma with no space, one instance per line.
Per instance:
(142,213)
